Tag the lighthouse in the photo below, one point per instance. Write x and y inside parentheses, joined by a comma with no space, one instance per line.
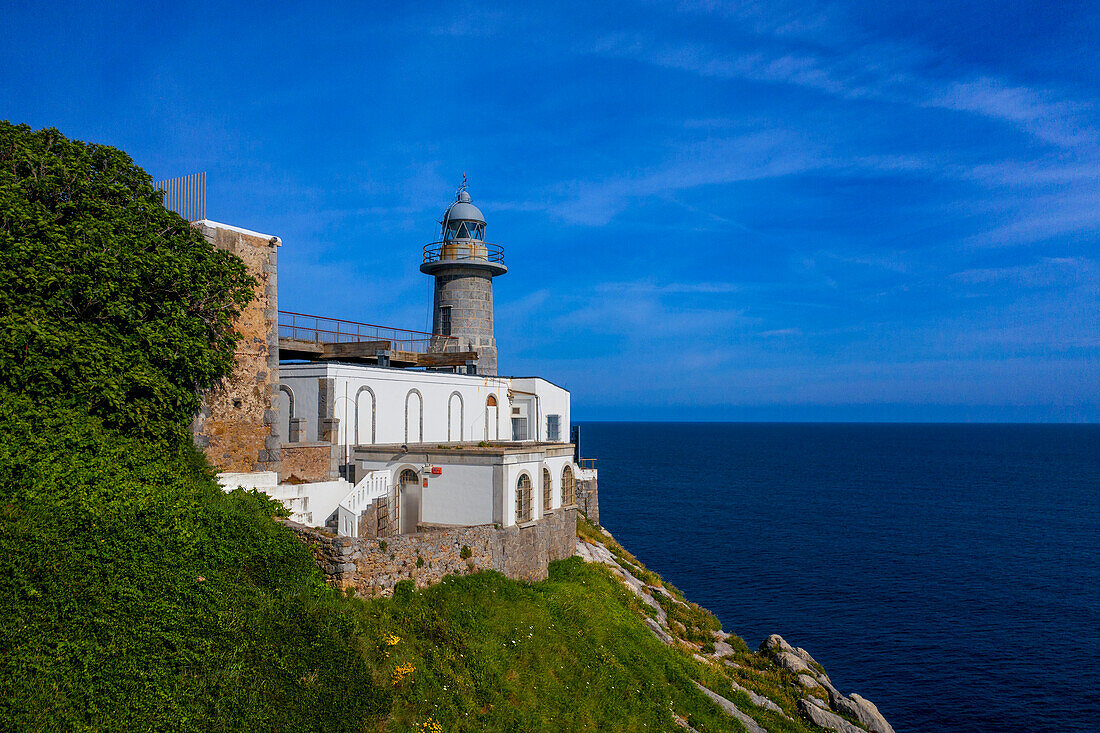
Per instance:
(464,265)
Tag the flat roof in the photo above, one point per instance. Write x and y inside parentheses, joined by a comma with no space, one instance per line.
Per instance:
(239,230)
(302,365)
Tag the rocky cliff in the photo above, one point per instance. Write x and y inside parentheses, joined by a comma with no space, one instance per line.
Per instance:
(776,680)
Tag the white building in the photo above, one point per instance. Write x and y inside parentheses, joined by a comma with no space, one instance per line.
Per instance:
(457,448)
(443,441)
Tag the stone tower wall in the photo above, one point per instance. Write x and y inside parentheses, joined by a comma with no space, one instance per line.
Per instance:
(469,293)
(238,426)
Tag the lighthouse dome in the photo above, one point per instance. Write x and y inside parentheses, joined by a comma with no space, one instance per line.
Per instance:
(463,210)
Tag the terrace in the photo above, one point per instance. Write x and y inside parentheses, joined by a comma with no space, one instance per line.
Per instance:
(318,338)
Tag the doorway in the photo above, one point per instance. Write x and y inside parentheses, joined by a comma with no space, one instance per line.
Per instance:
(409,512)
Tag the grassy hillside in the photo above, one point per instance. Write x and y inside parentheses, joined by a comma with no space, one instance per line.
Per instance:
(135,595)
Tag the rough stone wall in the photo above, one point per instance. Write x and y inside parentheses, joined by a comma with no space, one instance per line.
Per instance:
(469,293)
(238,425)
(372,567)
(308,462)
(588,499)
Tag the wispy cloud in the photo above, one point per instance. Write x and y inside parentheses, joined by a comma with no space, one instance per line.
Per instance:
(886,71)
(1048,271)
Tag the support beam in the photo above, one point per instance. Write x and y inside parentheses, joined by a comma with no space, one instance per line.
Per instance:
(457,358)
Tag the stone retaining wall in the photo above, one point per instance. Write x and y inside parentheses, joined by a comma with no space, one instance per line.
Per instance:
(588,500)
(372,567)
(308,462)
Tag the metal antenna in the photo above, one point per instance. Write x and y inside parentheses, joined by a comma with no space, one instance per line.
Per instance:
(461,188)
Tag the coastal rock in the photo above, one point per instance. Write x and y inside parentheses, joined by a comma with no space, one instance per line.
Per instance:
(775,643)
(819,716)
(597,552)
(808,681)
(865,712)
(659,632)
(750,725)
(682,722)
(787,656)
(791,662)
(805,655)
(759,700)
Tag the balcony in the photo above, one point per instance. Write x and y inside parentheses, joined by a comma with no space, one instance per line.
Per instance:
(317,338)
(465,252)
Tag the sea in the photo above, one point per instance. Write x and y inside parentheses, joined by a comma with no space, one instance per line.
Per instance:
(948,573)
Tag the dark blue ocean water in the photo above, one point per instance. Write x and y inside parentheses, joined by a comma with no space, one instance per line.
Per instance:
(948,573)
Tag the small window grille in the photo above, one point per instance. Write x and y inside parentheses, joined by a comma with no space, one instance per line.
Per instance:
(553,427)
(568,487)
(523,499)
(445,320)
(547,481)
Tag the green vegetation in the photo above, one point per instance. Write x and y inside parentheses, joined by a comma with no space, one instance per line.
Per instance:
(107,300)
(136,595)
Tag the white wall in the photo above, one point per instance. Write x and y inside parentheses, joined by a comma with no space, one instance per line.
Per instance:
(549,399)
(462,494)
(445,407)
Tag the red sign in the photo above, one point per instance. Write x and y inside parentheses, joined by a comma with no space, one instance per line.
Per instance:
(437,470)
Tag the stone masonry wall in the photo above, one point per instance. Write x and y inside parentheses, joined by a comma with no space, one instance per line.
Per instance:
(307,462)
(372,567)
(588,499)
(237,426)
(468,291)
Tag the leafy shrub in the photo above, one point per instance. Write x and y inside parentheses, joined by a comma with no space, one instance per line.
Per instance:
(136,595)
(107,299)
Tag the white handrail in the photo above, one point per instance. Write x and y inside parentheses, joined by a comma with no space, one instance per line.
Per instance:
(374,485)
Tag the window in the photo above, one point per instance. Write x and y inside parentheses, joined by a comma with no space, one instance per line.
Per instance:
(553,427)
(519,428)
(492,401)
(523,499)
(409,477)
(547,481)
(568,487)
(445,320)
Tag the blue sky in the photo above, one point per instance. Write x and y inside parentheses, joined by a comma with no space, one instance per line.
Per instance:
(727,211)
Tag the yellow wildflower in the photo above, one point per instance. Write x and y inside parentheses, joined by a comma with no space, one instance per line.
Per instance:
(402,671)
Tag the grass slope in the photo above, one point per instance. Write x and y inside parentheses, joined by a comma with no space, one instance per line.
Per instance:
(135,595)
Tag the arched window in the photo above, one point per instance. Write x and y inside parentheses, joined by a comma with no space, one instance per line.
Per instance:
(547,485)
(568,487)
(455,408)
(414,416)
(408,476)
(364,416)
(492,418)
(286,412)
(523,499)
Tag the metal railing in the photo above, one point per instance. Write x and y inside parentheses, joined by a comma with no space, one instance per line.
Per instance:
(374,485)
(322,330)
(463,249)
(587,463)
(185,195)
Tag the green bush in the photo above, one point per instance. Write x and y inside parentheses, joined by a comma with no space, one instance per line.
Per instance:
(136,595)
(107,299)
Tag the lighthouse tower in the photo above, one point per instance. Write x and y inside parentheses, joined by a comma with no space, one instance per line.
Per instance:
(464,266)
